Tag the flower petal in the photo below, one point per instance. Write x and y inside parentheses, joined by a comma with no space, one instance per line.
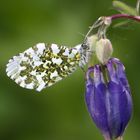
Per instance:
(96,100)
(109,103)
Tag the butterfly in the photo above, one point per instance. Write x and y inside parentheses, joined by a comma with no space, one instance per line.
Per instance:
(45,64)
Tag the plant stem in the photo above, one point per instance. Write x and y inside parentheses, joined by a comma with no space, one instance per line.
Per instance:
(117,16)
(138,6)
(120,138)
(107,138)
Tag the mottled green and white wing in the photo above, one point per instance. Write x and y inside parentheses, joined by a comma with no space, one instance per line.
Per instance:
(43,65)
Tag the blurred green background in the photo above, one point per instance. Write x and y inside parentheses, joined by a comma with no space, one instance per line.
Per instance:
(59,112)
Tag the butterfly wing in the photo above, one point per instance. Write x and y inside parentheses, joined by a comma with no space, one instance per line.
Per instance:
(43,65)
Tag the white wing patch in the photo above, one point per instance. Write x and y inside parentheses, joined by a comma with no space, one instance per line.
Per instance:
(43,65)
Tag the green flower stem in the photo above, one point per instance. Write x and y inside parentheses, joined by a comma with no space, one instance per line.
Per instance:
(138,6)
(106,138)
(120,138)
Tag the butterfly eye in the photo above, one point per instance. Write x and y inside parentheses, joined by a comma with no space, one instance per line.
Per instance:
(85,46)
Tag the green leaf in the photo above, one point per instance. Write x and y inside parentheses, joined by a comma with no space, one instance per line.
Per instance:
(124,8)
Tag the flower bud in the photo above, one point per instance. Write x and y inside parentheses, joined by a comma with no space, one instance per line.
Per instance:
(109,101)
(104,50)
(91,41)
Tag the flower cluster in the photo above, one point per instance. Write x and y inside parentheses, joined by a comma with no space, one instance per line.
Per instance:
(108,96)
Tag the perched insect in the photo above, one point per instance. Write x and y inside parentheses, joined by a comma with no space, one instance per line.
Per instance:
(43,65)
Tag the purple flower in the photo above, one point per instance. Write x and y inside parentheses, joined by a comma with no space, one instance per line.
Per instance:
(108,98)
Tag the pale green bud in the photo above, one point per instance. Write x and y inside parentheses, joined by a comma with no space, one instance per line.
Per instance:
(103,50)
(91,41)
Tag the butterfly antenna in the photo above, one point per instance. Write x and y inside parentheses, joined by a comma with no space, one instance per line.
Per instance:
(83,35)
(96,24)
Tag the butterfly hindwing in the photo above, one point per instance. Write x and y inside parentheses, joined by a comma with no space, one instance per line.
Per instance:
(43,65)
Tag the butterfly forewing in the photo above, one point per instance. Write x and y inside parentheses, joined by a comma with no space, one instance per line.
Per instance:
(43,65)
